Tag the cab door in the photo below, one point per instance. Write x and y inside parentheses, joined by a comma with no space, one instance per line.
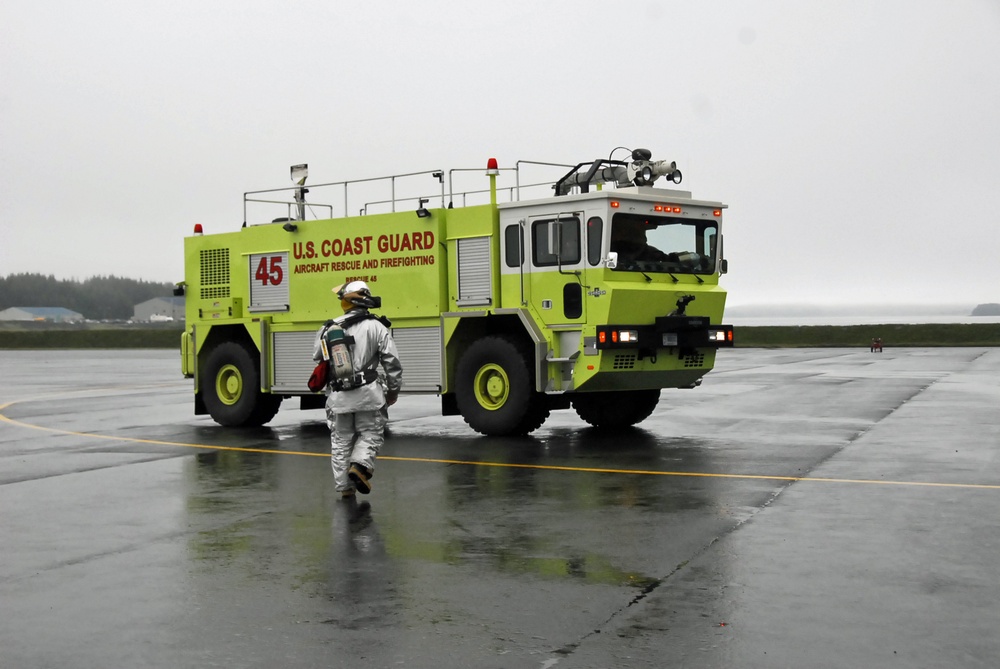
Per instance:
(555,245)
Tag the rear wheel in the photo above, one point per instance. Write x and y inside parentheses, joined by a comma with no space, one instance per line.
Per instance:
(230,387)
(495,388)
(616,409)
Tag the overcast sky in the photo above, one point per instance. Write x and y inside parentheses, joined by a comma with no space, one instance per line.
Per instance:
(857,143)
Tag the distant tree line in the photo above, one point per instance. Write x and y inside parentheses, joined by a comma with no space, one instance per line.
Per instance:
(97,298)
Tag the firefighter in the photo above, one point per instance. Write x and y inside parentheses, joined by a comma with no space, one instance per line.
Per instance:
(357,415)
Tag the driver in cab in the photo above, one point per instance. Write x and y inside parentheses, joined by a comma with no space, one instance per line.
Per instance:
(628,240)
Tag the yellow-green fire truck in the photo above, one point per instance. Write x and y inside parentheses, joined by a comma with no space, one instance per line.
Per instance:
(596,294)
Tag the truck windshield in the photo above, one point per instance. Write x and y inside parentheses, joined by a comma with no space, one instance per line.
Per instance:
(664,244)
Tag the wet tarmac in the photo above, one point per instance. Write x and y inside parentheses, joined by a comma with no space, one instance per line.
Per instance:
(803,508)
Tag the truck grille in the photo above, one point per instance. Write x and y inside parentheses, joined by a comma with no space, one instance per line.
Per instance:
(628,360)
(696,360)
(624,361)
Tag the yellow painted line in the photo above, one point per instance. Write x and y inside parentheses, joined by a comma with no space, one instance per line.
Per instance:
(653,472)
(155,442)
(505,465)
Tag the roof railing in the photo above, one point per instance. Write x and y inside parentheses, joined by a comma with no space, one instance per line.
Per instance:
(449,198)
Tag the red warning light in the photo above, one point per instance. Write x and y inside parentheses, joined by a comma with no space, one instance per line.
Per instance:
(615,204)
(198,229)
(717,212)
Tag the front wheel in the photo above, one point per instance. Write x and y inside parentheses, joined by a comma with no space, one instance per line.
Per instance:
(230,387)
(495,388)
(616,409)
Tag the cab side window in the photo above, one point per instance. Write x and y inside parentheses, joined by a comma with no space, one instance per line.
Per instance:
(552,235)
(595,232)
(514,249)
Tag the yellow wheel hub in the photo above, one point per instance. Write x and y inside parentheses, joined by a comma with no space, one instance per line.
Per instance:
(229,384)
(491,386)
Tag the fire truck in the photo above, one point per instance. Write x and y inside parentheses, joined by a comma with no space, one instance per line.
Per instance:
(595,293)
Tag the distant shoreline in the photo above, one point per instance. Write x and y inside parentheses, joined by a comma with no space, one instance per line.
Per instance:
(860,336)
(854,320)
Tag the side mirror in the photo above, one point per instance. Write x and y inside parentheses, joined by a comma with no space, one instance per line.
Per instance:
(555,239)
(723,266)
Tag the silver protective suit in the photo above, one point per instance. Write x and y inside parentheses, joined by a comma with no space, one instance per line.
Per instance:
(356,417)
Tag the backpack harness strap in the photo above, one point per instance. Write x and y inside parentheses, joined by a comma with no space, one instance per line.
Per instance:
(368,374)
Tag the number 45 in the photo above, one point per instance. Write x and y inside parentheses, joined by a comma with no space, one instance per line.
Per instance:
(269,271)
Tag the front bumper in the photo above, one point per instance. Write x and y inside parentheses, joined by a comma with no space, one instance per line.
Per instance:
(684,334)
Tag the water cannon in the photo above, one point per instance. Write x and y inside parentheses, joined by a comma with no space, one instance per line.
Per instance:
(643,171)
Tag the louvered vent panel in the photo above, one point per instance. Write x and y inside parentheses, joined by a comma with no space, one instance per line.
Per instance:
(293,361)
(420,353)
(474,271)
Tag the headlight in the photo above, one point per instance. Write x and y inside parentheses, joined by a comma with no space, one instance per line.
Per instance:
(625,336)
(721,336)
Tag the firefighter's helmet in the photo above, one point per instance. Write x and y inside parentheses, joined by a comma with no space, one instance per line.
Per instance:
(356,293)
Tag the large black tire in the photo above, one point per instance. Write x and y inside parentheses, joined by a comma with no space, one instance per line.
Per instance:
(230,388)
(616,409)
(496,388)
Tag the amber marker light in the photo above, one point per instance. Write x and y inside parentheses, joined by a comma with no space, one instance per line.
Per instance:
(615,204)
